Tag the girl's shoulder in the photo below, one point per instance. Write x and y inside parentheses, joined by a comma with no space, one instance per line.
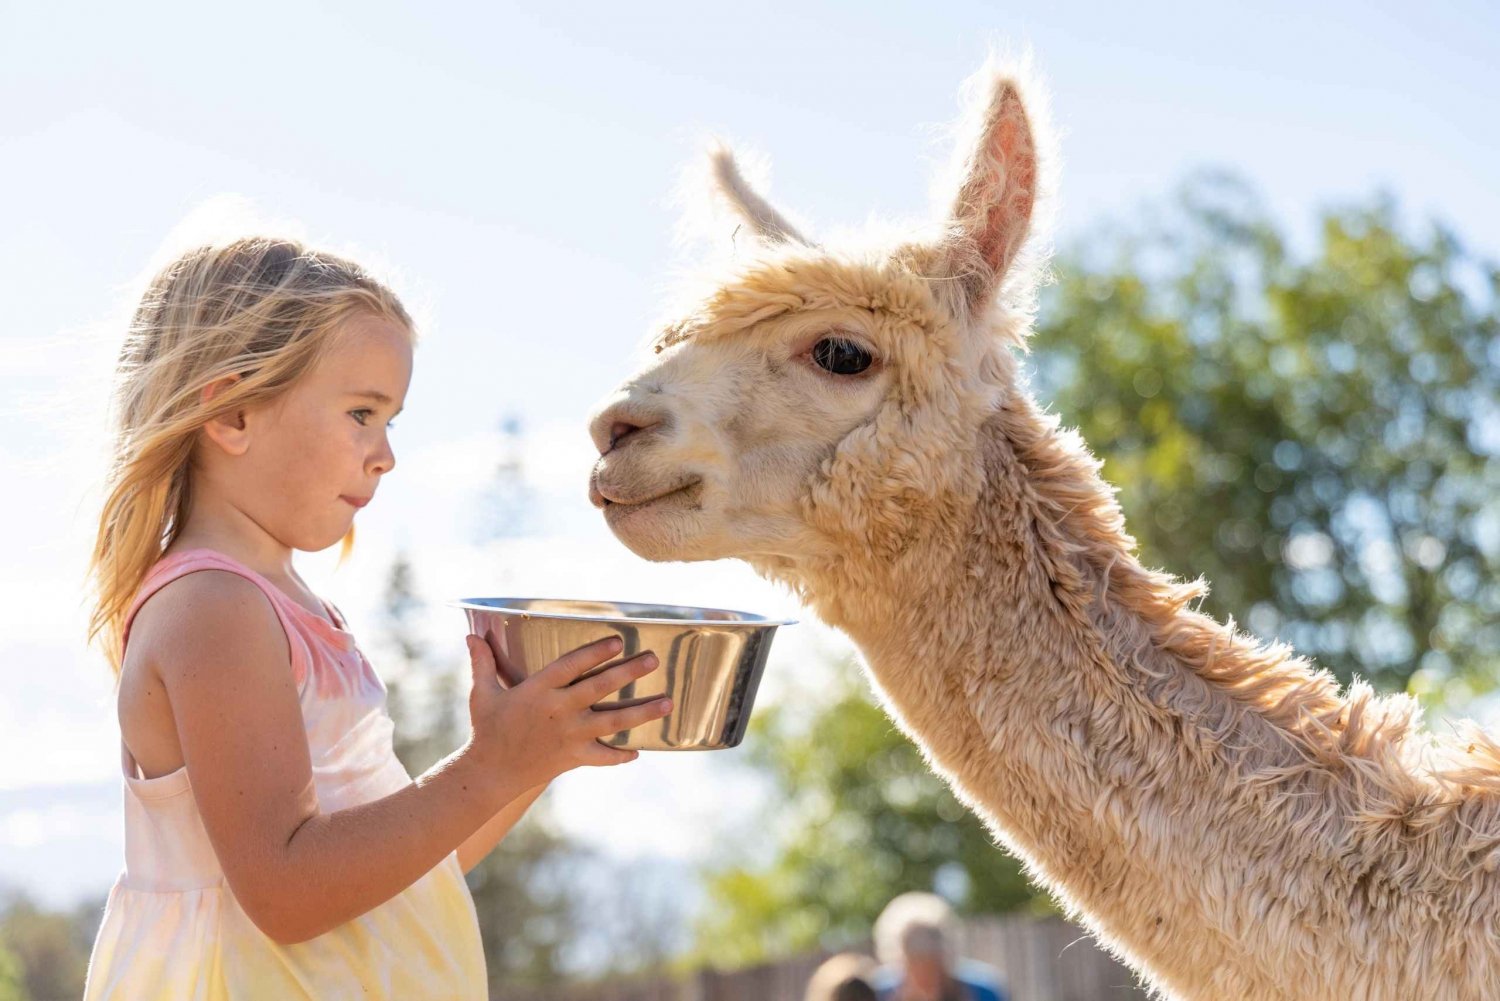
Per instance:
(200,613)
(189,633)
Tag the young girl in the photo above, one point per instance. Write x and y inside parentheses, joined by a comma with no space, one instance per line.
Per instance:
(274,845)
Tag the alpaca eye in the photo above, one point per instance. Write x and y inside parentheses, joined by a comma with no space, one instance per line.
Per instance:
(841,357)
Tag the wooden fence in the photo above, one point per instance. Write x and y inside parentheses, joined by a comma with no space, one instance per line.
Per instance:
(1041,959)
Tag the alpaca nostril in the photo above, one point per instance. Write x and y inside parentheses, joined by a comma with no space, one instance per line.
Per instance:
(618,430)
(621,430)
(614,425)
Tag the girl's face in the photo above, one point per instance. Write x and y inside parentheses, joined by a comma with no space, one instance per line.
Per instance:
(315,456)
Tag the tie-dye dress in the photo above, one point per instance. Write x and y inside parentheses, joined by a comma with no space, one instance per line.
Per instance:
(173,929)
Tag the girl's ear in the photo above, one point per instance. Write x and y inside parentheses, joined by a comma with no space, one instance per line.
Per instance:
(228,431)
(991,215)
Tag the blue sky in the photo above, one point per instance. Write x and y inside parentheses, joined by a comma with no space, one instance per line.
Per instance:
(514,168)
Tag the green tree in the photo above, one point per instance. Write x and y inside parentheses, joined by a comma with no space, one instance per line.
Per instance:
(508,509)
(423,700)
(856,817)
(45,953)
(1316,435)
(12,982)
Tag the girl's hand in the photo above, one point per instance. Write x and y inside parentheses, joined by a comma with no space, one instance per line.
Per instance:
(546,725)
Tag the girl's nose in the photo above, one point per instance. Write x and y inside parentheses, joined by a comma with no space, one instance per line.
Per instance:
(384,461)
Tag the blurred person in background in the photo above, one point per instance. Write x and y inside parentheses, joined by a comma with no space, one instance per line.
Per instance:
(844,977)
(914,940)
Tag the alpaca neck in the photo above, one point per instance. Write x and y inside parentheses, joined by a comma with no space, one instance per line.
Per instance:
(1102,729)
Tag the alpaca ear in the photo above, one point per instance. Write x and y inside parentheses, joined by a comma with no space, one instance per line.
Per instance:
(752,210)
(992,214)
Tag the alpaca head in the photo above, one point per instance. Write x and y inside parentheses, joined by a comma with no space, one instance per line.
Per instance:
(819,398)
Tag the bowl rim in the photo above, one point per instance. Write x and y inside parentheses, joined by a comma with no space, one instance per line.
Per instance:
(750,621)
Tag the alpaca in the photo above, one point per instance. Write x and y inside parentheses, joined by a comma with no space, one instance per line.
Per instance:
(851,422)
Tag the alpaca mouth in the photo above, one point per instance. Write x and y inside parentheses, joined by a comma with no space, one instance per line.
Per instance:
(611,502)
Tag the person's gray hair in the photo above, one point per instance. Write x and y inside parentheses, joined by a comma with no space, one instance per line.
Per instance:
(915,924)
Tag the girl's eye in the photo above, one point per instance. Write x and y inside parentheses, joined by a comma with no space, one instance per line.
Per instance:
(841,357)
(360,415)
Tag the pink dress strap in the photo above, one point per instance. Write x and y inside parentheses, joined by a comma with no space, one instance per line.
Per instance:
(296,619)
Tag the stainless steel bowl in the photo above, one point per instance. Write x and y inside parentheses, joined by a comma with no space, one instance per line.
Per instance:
(711,659)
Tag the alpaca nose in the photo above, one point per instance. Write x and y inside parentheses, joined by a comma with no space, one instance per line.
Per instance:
(621,420)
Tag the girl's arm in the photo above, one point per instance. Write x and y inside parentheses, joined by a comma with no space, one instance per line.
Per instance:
(483,841)
(297,871)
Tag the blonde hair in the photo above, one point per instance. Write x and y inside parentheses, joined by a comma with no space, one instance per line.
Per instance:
(262,308)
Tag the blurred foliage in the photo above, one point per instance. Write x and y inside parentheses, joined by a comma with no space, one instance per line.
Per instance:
(508,509)
(12,987)
(856,818)
(44,953)
(519,893)
(1315,436)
